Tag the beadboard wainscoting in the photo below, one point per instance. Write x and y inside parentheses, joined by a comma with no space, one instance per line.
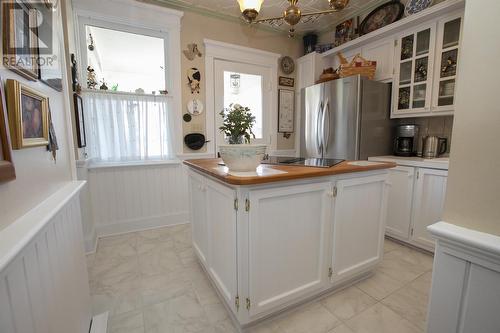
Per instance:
(465,294)
(44,284)
(124,198)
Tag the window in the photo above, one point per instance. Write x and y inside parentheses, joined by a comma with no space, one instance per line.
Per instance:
(132,120)
(126,61)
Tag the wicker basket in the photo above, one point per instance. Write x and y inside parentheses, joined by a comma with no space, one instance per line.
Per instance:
(357,66)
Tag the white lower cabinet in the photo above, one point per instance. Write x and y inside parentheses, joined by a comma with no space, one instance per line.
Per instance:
(288,243)
(358,225)
(267,247)
(415,201)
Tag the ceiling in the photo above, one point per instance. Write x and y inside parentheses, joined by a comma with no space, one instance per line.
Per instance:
(271,8)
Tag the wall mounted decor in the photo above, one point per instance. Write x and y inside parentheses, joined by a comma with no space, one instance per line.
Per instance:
(381,16)
(74,75)
(28,116)
(195,107)
(192,51)
(195,141)
(7,170)
(187,117)
(20,43)
(287,65)
(50,57)
(53,146)
(80,121)
(286,111)
(286,81)
(345,31)
(415,6)
(194,78)
(91,78)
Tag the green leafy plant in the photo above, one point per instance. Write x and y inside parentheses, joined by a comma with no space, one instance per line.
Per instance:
(237,123)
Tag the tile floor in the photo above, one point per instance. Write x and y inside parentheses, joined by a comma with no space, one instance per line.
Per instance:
(150,281)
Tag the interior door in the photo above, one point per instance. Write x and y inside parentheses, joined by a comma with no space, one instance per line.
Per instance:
(247,85)
(288,243)
(428,204)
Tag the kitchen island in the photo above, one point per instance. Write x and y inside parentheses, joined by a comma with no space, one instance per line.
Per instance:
(279,236)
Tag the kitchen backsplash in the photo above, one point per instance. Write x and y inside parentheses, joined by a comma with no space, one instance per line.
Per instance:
(440,126)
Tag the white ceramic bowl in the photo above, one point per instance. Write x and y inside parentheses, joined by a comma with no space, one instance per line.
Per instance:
(242,157)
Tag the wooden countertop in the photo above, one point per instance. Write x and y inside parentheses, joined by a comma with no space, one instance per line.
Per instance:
(273,173)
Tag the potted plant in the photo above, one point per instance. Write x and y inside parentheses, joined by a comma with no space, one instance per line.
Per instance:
(239,154)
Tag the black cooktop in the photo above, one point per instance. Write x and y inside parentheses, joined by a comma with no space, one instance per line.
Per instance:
(309,162)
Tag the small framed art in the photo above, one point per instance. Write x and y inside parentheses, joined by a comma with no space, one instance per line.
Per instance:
(80,121)
(28,116)
(286,110)
(7,170)
(286,81)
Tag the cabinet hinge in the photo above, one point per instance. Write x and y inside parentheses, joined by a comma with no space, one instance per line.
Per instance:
(395,42)
(237,303)
(418,174)
(411,232)
(248,303)
(334,191)
(330,272)
(247,205)
(235,204)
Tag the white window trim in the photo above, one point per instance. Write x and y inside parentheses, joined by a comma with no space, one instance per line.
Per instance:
(136,17)
(215,50)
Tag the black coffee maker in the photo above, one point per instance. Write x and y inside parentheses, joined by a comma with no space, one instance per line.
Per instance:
(405,143)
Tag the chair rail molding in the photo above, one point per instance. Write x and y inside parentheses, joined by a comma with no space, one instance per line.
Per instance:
(465,294)
(216,50)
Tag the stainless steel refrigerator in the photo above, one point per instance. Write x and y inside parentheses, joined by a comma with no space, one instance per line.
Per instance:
(346,119)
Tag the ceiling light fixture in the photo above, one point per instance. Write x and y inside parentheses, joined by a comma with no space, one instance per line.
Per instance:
(292,15)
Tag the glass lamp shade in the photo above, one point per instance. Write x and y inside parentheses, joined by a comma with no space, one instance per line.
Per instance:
(250,5)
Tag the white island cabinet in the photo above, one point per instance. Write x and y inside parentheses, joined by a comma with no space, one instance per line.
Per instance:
(267,247)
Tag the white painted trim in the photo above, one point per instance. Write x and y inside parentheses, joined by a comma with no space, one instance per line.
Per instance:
(104,165)
(430,13)
(435,163)
(215,50)
(484,245)
(90,242)
(141,224)
(15,237)
(100,323)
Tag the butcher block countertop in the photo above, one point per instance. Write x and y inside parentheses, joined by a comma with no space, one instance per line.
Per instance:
(266,173)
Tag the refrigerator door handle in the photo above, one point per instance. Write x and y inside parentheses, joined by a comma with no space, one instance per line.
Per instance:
(319,144)
(326,125)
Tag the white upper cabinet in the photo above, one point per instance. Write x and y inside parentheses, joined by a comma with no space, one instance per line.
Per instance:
(447,53)
(288,243)
(412,85)
(358,225)
(382,52)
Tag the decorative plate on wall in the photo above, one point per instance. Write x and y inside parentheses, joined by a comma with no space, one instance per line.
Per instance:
(415,6)
(381,16)
(195,106)
(287,65)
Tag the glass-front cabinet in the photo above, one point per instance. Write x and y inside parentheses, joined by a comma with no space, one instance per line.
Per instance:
(414,55)
(426,61)
(445,75)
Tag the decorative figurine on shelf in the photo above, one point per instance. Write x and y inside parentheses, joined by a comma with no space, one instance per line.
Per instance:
(163,92)
(114,87)
(192,51)
(103,85)
(449,68)
(139,91)
(194,78)
(91,78)
(74,73)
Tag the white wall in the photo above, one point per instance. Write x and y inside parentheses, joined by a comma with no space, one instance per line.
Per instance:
(38,175)
(472,197)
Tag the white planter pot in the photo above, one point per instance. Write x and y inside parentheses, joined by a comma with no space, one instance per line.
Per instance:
(243,157)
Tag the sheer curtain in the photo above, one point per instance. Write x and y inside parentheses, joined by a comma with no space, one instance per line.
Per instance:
(128,127)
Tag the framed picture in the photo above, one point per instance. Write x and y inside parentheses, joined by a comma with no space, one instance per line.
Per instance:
(20,38)
(286,81)
(28,116)
(7,170)
(345,31)
(286,111)
(50,66)
(80,121)
(381,16)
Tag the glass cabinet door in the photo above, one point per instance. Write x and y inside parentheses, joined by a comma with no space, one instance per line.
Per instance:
(447,58)
(414,71)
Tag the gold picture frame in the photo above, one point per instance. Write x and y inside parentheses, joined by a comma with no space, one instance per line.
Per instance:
(28,116)
(21,59)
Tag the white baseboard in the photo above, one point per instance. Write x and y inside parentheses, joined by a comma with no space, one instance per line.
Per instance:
(141,224)
(100,323)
